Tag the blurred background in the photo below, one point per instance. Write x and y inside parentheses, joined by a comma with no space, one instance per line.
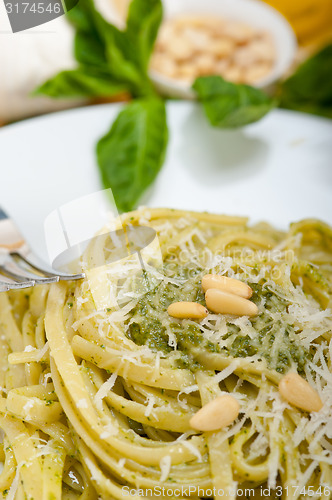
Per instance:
(28,58)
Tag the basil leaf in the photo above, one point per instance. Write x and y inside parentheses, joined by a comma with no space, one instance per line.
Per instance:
(70,4)
(131,154)
(85,18)
(81,82)
(104,52)
(228,105)
(144,19)
(79,17)
(310,88)
(120,53)
(101,44)
(89,50)
(89,46)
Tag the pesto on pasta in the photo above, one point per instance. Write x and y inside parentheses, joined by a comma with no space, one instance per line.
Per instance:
(97,397)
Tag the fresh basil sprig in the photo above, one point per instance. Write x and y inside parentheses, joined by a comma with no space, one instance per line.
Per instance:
(132,153)
(110,60)
(230,106)
(309,89)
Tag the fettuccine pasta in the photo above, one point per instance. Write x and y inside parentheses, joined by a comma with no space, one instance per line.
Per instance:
(97,400)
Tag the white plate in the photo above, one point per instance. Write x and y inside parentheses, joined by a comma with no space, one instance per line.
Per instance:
(278,169)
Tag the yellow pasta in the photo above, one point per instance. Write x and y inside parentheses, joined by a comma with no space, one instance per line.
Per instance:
(97,397)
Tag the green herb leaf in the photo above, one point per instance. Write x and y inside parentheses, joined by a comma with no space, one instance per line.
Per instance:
(105,52)
(86,19)
(310,88)
(99,43)
(89,44)
(89,50)
(120,54)
(132,153)
(70,4)
(144,19)
(228,105)
(81,82)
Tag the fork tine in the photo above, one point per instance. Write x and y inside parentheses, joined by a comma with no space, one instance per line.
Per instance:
(18,280)
(18,286)
(26,270)
(4,287)
(26,265)
(10,269)
(40,268)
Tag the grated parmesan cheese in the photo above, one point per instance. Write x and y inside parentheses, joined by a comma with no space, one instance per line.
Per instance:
(82,403)
(194,450)
(151,402)
(103,390)
(29,348)
(165,467)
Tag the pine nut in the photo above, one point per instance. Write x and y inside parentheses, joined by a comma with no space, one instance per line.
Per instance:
(186,71)
(199,40)
(257,72)
(221,66)
(222,302)
(239,32)
(226,284)
(183,310)
(166,33)
(216,414)
(204,64)
(299,393)
(245,57)
(233,74)
(162,63)
(262,49)
(222,47)
(179,49)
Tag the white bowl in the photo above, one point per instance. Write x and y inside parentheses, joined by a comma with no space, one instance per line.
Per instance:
(252,12)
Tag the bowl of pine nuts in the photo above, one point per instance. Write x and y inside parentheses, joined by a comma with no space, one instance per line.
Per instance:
(244,41)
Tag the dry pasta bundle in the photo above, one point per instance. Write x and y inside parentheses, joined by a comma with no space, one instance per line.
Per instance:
(139,396)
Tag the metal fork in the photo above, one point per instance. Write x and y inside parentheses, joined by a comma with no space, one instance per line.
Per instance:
(19,266)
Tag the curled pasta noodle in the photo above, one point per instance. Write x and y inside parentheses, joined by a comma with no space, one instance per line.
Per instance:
(96,401)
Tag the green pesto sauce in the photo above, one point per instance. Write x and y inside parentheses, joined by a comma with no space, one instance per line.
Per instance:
(149,330)
(275,341)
